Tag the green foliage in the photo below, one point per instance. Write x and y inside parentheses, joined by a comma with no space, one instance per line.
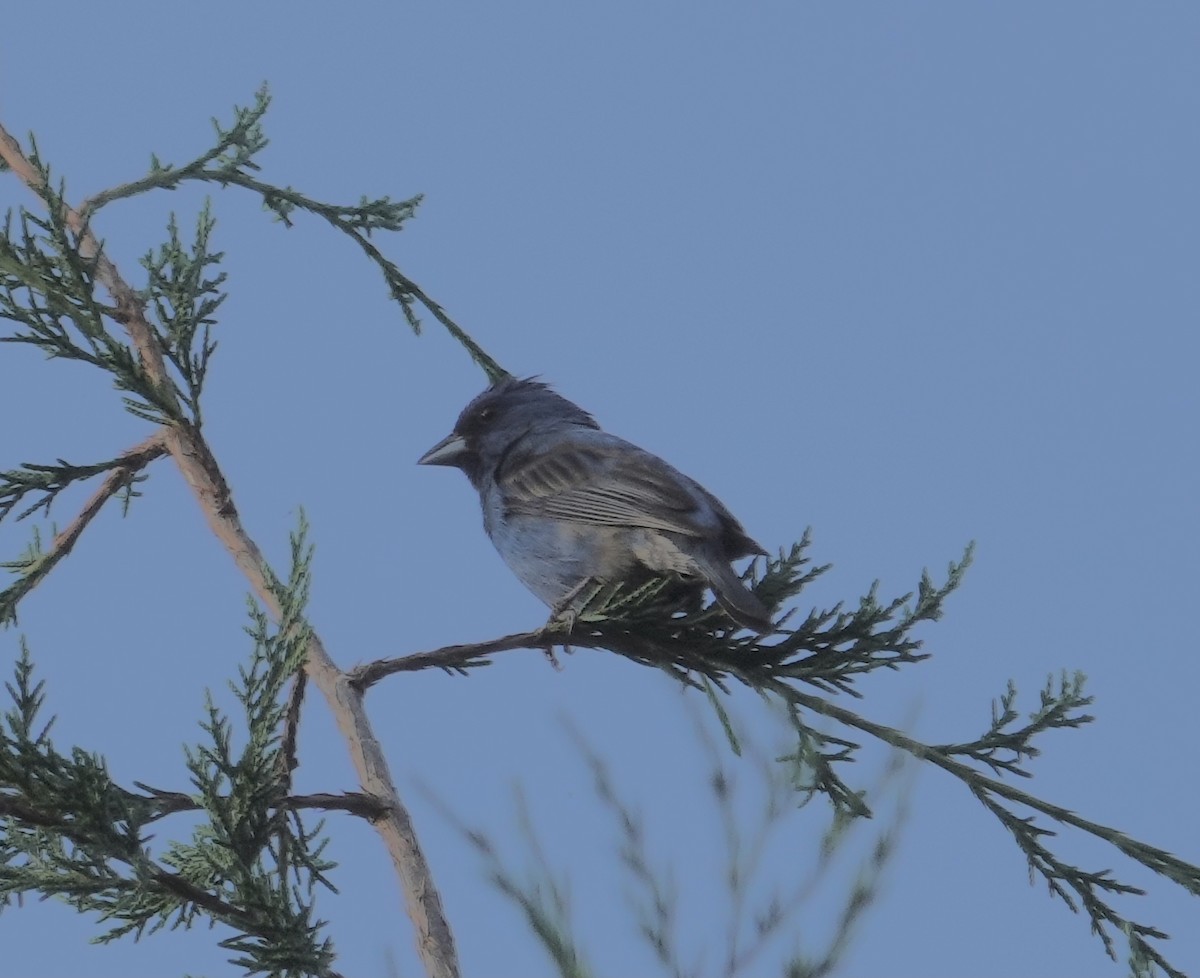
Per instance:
(45,480)
(69,831)
(1003,747)
(252,865)
(184,301)
(36,563)
(29,567)
(48,288)
(827,651)
(231,162)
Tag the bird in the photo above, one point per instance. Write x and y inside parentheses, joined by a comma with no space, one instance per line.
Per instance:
(566,503)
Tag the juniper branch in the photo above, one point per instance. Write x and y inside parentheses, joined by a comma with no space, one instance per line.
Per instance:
(122,471)
(184,301)
(160,803)
(50,480)
(47,286)
(827,651)
(1004,748)
(230,163)
(988,789)
(356,222)
(50,798)
(202,472)
(874,636)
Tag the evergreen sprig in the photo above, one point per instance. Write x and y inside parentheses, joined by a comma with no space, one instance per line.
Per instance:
(47,481)
(231,154)
(1079,889)
(232,162)
(1003,747)
(184,302)
(255,850)
(829,649)
(124,472)
(29,567)
(70,831)
(48,288)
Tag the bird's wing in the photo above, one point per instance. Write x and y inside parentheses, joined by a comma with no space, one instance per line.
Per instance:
(608,485)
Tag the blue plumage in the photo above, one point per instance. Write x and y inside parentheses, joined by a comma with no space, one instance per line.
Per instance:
(566,503)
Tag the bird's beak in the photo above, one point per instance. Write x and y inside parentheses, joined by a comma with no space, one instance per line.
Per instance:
(449,451)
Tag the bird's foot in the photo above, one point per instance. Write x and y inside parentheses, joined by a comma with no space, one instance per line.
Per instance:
(568,609)
(548,649)
(560,624)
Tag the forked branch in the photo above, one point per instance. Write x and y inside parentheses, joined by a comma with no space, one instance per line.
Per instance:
(202,472)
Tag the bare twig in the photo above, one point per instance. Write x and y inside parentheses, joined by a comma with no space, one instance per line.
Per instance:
(451,658)
(459,658)
(203,474)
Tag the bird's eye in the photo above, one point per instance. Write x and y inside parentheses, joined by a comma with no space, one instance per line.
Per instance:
(476,420)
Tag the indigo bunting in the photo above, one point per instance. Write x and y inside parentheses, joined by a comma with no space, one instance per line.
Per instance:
(567,504)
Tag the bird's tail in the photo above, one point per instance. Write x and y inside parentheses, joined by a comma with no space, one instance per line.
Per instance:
(737,599)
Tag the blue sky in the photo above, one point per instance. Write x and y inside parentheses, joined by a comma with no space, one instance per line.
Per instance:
(910,274)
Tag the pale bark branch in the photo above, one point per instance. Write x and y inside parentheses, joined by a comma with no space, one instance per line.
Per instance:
(199,467)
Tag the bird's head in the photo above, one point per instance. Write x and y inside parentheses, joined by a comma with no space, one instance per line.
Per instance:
(499,417)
